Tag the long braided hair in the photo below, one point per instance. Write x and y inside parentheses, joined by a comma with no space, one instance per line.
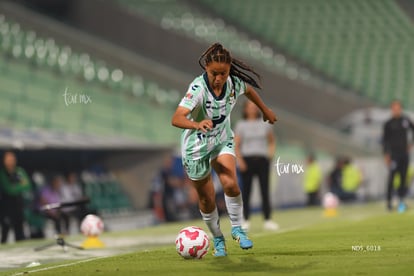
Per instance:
(218,53)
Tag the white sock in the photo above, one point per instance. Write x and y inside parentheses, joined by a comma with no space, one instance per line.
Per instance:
(235,209)
(212,221)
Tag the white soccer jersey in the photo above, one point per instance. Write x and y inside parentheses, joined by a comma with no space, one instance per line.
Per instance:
(204,104)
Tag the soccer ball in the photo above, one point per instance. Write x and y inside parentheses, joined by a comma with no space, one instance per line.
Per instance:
(330,201)
(192,243)
(92,225)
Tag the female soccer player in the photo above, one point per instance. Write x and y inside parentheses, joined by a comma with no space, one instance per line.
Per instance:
(207,138)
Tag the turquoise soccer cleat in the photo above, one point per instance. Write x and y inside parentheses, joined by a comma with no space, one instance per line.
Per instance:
(219,247)
(240,236)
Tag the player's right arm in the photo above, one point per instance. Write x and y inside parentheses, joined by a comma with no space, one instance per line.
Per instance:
(180,120)
(268,114)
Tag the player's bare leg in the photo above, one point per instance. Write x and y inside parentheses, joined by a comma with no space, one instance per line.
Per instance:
(225,166)
(208,210)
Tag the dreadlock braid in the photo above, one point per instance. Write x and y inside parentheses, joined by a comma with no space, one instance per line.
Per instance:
(218,53)
(237,69)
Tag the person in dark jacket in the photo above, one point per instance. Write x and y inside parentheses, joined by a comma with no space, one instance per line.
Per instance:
(396,149)
(14,182)
(335,177)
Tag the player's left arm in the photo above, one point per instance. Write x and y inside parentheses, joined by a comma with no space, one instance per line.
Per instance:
(268,114)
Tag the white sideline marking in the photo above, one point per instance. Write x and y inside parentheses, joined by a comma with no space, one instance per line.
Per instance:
(58,266)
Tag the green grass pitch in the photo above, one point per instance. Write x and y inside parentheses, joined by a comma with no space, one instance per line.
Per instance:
(361,240)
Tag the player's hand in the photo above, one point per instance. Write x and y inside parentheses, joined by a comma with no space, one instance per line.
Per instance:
(205,125)
(269,115)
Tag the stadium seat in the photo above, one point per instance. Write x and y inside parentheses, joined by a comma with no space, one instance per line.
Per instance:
(364,45)
(339,38)
(105,193)
(180,16)
(37,71)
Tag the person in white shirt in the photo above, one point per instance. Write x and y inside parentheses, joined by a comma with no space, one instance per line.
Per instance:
(70,191)
(255,147)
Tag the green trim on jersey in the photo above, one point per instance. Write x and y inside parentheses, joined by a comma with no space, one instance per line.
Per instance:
(196,145)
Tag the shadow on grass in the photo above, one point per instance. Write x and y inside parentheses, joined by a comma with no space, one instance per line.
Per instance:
(327,252)
(251,264)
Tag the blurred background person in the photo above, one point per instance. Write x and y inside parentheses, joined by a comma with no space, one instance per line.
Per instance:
(312,179)
(50,194)
(335,177)
(71,191)
(155,199)
(396,148)
(170,193)
(34,217)
(14,182)
(255,148)
(351,180)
